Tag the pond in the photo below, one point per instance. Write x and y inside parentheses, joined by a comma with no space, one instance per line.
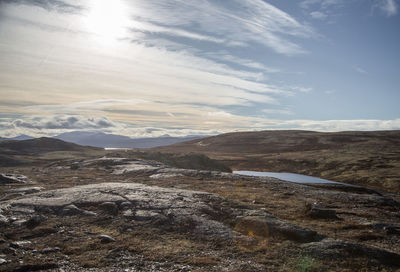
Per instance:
(298,178)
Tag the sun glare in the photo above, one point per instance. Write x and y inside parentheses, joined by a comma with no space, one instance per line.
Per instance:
(107,20)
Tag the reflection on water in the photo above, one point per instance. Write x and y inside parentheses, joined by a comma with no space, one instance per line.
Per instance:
(286,176)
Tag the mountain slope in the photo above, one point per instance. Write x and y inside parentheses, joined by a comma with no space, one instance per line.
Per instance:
(364,158)
(99,139)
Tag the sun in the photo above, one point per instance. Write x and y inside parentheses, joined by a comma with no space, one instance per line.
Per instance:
(107,20)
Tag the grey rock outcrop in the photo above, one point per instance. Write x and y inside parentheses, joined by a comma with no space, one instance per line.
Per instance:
(147,203)
(199,212)
(26,190)
(12,178)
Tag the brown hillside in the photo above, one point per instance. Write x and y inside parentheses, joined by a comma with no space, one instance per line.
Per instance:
(39,146)
(365,158)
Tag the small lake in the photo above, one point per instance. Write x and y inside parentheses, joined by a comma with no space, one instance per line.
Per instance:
(298,178)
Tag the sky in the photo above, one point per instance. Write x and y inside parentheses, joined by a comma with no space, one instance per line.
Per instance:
(198,67)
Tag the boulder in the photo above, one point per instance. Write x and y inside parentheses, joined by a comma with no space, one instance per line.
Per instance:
(332,248)
(106,239)
(35,221)
(109,207)
(290,231)
(317,211)
(70,210)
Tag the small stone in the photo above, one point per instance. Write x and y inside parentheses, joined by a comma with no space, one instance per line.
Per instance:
(3,220)
(316,211)
(323,213)
(9,250)
(35,221)
(19,222)
(20,244)
(125,205)
(106,239)
(70,210)
(50,250)
(144,215)
(89,213)
(2,261)
(128,214)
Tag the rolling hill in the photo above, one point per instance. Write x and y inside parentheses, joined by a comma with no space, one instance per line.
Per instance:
(39,146)
(364,158)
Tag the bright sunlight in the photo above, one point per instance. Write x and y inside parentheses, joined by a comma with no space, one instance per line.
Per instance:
(107,20)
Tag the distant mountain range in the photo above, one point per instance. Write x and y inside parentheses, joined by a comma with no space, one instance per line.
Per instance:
(18,138)
(100,139)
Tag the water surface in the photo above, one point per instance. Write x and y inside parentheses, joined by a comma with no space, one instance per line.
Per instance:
(298,178)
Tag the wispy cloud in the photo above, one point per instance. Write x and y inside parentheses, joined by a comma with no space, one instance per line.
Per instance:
(324,4)
(344,125)
(174,31)
(240,22)
(388,7)
(278,111)
(85,106)
(226,57)
(360,70)
(318,15)
(51,5)
(324,8)
(301,89)
(185,73)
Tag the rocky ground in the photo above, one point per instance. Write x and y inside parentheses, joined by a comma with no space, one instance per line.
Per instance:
(125,214)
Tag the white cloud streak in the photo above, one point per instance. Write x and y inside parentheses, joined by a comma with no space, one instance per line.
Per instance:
(388,7)
(52,125)
(240,22)
(278,111)
(318,15)
(324,7)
